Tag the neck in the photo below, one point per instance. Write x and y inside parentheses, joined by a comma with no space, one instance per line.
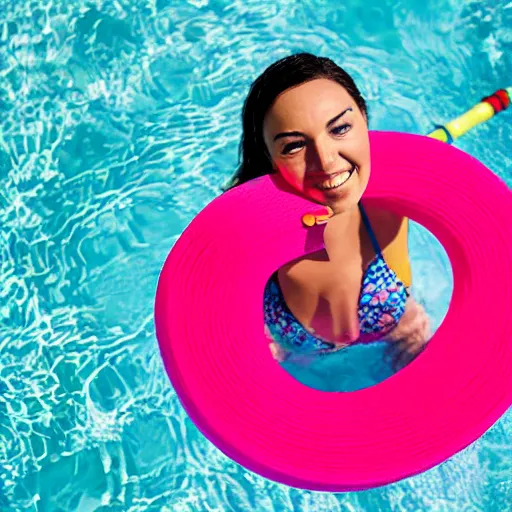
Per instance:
(341,232)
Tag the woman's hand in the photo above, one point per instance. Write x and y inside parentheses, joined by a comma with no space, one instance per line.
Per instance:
(411,334)
(278,352)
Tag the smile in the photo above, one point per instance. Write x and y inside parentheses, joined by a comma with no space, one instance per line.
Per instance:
(337,181)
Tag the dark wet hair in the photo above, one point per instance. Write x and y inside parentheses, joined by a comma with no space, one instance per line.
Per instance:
(277,78)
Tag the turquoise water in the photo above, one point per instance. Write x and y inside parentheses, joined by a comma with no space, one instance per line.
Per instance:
(120,121)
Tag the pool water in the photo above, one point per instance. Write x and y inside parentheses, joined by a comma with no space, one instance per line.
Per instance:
(120,122)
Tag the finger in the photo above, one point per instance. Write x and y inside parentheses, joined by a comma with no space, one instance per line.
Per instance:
(278,353)
(412,328)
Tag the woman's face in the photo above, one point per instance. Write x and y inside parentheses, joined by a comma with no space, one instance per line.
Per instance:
(318,141)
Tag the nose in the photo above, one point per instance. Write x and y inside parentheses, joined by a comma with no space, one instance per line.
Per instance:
(326,158)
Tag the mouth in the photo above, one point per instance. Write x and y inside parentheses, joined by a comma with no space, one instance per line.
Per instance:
(335,182)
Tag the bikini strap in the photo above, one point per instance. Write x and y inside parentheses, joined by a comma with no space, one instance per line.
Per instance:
(369,229)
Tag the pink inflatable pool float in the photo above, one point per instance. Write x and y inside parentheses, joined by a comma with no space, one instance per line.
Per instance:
(209,324)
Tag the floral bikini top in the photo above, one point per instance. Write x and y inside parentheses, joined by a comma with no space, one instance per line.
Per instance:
(381,305)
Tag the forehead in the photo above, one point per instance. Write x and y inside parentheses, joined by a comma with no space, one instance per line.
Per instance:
(314,101)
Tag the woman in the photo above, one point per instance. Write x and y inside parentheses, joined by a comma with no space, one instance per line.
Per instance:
(305,119)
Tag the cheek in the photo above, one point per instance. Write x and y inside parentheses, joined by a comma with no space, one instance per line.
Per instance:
(362,149)
(364,160)
(294,176)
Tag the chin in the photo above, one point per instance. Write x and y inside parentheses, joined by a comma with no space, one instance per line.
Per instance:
(342,206)
(344,203)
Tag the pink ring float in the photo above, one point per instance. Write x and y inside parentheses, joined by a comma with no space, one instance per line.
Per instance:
(209,323)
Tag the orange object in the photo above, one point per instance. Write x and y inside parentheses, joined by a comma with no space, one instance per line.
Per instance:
(312,219)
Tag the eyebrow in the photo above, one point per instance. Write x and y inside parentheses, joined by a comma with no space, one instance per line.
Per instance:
(300,134)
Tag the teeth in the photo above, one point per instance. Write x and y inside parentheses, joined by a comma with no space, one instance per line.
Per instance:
(335,182)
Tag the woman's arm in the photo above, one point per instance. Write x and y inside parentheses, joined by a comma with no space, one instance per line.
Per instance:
(396,253)
(411,334)
(413,330)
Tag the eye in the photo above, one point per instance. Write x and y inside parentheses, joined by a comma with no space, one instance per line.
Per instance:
(340,130)
(293,146)
(289,148)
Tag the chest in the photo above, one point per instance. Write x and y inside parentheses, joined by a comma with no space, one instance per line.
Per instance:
(324,295)
(323,289)
(328,280)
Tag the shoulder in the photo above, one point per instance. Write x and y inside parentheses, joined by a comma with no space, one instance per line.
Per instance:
(387,225)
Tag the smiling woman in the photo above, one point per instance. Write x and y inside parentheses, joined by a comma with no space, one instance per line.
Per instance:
(305,119)
(320,157)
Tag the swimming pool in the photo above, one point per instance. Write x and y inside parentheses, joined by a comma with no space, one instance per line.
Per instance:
(120,122)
